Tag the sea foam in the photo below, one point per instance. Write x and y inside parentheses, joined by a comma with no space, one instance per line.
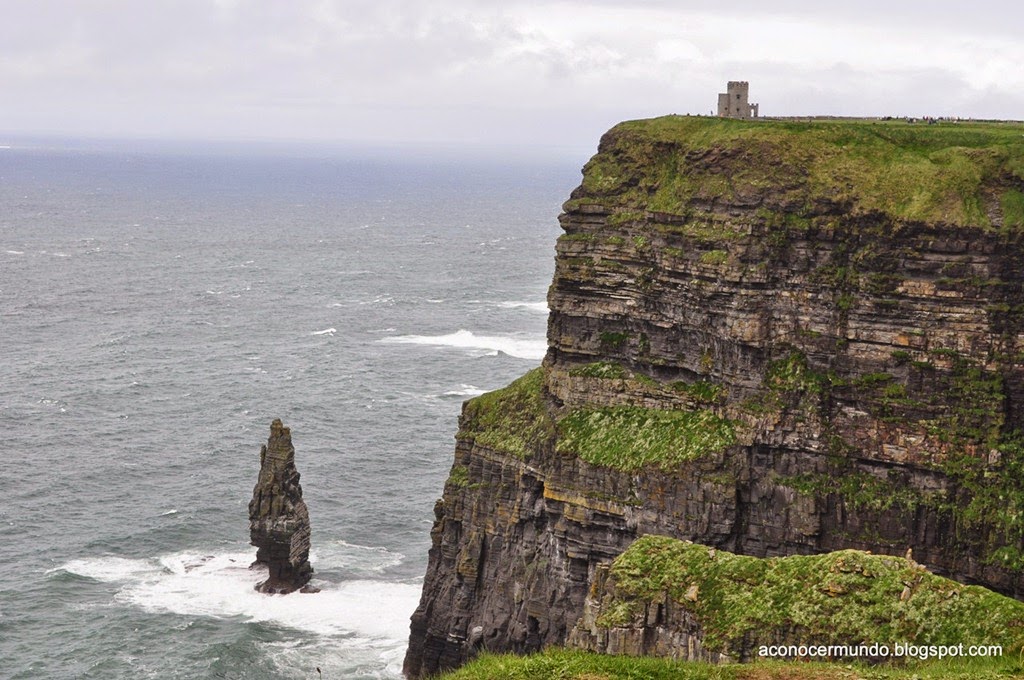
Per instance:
(532,306)
(480,345)
(464,391)
(108,568)
(221,585)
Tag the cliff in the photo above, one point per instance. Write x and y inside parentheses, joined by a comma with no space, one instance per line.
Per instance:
(771,338)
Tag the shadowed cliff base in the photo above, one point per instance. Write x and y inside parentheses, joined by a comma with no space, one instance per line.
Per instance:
(772,338)
(279,519)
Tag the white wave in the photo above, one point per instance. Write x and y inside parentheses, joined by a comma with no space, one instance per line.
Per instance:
(172,511)
(222,585)
(379,300)
(345,658)
(350,558)
(108,568)
(15,252)
(326,331)
(367,608)
(532,306)
(59,403)
(481,344)
(464,391)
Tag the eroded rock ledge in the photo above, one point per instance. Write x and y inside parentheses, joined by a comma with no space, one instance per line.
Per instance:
(770,338)
(278,517)
(669,598)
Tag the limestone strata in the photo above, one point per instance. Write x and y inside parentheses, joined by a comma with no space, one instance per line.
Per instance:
(866,353)
(278,517)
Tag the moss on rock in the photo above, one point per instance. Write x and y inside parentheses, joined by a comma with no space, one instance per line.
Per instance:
(513,419)
(629,438)
(847,597)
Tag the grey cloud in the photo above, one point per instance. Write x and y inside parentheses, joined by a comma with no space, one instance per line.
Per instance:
(468,70)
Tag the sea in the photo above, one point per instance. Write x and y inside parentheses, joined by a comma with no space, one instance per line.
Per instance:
(160,306)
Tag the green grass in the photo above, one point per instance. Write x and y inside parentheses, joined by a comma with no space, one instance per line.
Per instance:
(995,502)
(516,420)
(714,257)
(1013,208)
(793,373)
(844,597)
(860,490)
(565,664)
(459,476)
(606,370)
(613,339)
(629,438)
(702,391)
(513,419)
(947,173)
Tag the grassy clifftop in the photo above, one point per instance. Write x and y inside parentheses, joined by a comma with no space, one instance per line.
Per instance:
(560,664)
(844,597)
(964,174)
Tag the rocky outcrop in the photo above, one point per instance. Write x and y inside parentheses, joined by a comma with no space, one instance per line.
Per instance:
(770,338)
(667,598)
(278,518)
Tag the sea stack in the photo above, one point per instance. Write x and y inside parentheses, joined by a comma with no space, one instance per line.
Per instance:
(278,518)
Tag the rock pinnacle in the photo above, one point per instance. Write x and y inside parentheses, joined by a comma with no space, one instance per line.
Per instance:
(278,518)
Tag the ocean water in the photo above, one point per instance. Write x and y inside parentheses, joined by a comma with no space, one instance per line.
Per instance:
(159,308)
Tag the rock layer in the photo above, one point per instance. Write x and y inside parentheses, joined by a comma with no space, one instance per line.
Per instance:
(844,323)
(278,517)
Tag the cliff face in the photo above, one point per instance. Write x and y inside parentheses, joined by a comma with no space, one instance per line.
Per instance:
(769,338)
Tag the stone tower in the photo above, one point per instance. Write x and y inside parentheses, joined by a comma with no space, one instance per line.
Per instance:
(733,103)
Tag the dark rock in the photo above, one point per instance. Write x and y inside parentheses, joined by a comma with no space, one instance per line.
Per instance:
(278,518)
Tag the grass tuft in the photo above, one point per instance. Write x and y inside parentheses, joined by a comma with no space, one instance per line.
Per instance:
(513,419)
(629,438)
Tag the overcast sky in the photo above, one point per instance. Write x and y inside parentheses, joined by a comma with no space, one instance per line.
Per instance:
(509,72)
